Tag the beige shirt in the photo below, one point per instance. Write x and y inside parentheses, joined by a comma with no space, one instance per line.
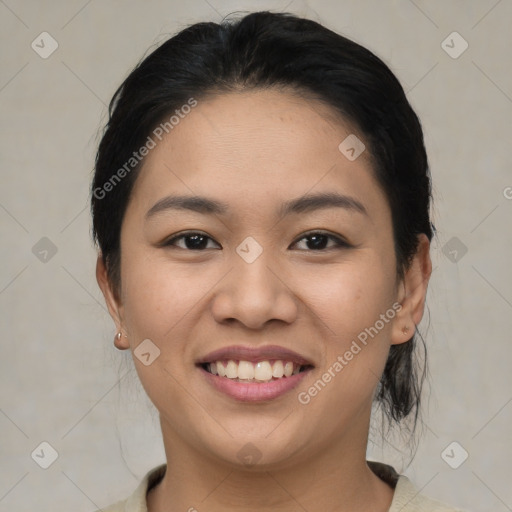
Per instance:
(406,497)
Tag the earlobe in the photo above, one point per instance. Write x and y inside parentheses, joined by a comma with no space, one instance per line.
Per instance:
(113,303)
(413,292)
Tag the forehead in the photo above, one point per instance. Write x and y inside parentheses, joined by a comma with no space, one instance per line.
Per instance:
(259,125)
(260,145)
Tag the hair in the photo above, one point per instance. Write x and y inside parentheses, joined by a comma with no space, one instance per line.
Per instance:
(277,50)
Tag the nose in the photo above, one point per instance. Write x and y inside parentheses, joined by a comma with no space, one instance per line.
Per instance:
(254,294)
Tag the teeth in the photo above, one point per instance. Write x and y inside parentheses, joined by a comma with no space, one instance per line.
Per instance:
(262,371)
(221,369)
(231,370)
(278,370)
(245,370)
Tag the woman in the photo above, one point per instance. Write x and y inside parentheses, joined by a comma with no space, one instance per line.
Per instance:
(261,206)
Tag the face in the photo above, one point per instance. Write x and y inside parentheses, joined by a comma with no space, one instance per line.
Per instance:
(294,249)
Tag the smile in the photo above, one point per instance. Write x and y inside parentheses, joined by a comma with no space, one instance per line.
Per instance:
(262,386)
(260,371)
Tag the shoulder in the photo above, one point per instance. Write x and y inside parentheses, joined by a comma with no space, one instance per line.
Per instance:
(137,501)
(115,507)
(407,498)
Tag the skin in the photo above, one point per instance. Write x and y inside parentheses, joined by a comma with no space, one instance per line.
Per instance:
(254,151)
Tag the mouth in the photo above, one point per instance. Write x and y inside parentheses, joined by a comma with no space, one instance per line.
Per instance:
(252,374)
(252,364)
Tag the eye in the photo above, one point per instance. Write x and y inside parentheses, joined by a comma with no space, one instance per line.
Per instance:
(196,241)
(318,241)
(192,240)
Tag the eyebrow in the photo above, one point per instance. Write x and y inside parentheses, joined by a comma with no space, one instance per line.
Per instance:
(304,204)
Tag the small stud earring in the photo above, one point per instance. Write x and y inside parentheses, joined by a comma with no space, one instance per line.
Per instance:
(405,329)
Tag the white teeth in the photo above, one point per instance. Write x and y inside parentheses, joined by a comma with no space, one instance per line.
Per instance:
(221,370)
(231,370)
(245,370)
(278,370)
(262,371)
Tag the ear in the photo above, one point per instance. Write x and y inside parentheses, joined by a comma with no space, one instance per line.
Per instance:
(412,293)
(113,303)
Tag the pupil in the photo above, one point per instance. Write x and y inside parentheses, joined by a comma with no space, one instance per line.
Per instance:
(198,241)
(319,241)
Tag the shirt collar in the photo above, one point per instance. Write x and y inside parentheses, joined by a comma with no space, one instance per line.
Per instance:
(404,495)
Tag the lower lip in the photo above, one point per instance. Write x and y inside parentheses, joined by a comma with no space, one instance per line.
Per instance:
(254,391)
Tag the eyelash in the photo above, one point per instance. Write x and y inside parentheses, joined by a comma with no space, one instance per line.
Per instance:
(339,242)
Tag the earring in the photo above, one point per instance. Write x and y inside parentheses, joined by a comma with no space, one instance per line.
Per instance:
(405,329)
(117,340)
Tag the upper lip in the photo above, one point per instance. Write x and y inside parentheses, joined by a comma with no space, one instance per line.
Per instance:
(253,354)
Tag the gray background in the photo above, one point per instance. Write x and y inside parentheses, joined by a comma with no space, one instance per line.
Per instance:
(63,382)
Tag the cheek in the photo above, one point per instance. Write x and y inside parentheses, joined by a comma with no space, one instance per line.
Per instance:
(159,302)
(350,300)
(158,295)
(348,297)
(349,303)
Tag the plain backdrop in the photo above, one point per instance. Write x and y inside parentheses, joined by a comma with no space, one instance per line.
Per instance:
(64,383)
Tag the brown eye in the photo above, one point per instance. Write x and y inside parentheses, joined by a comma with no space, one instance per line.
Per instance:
(192,241)
(318,241)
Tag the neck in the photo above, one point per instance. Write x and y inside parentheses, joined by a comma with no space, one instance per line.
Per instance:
(336,479)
